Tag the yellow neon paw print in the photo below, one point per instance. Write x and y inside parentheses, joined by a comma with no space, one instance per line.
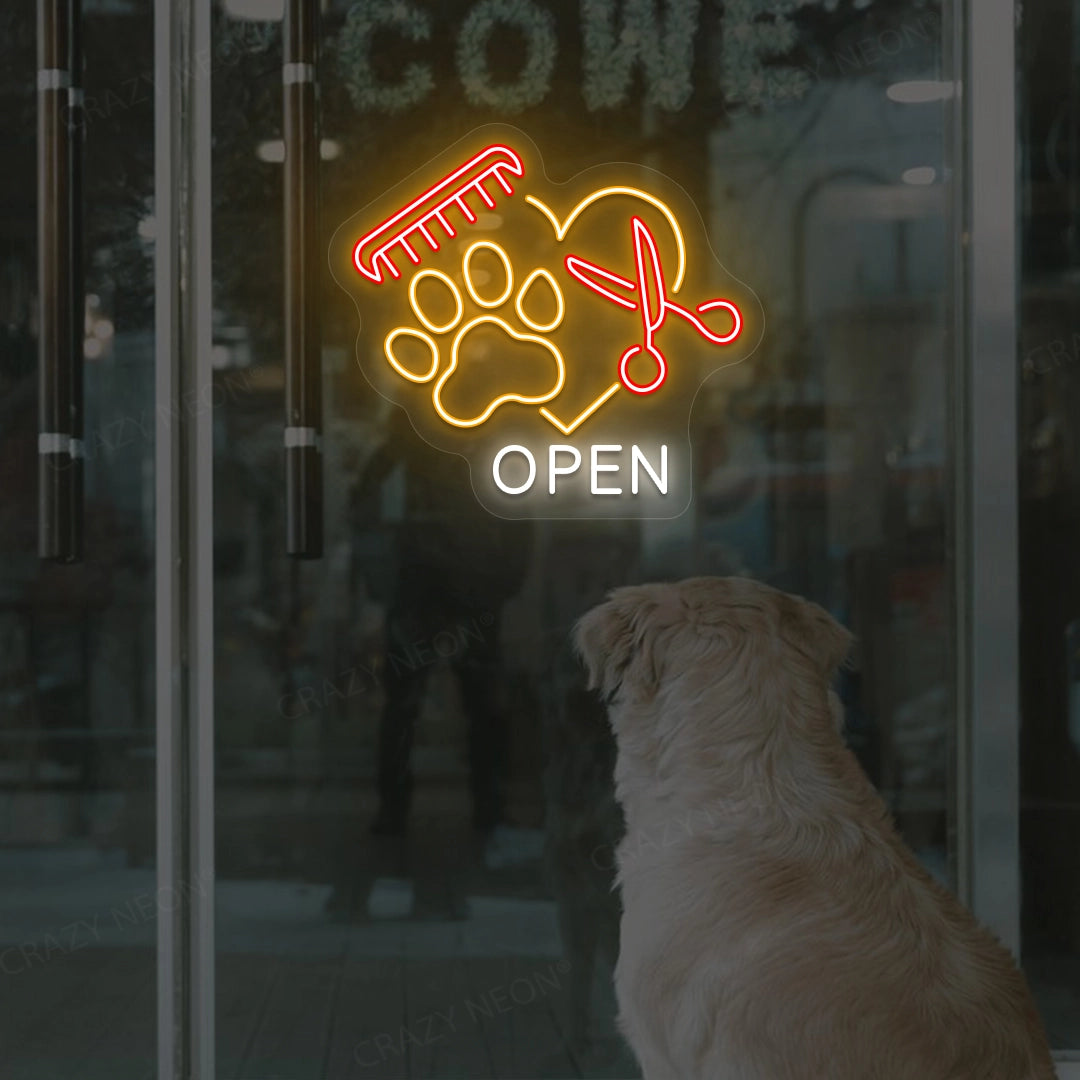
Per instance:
(462,329)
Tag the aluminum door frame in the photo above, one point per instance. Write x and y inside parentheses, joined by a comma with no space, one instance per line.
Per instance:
(986,444)
(184,585)
(985,468)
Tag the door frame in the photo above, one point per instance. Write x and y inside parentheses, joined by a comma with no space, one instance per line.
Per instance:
(184,506)
(986,470)
(985,420)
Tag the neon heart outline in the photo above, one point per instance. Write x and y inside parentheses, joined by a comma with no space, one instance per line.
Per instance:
(561,229)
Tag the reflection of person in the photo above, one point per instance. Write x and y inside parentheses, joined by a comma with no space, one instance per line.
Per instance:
(451,569)
(583,821)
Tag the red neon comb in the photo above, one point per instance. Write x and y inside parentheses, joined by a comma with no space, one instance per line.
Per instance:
(371,255)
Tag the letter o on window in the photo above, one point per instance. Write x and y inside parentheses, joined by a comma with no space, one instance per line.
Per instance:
(534,82)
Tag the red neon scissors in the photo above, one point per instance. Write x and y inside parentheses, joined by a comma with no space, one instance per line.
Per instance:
(654,304)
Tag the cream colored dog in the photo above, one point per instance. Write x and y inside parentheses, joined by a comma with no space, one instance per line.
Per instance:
(774,925)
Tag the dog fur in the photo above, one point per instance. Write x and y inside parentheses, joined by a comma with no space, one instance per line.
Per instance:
(774,926)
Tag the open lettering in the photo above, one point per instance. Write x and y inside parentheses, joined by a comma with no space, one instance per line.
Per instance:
(514,469)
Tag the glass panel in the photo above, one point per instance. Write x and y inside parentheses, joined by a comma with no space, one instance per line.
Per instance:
(1050,512)
(415,807)
(79,905)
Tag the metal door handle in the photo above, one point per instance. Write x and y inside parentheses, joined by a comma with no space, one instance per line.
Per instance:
(303,272)
(60,281)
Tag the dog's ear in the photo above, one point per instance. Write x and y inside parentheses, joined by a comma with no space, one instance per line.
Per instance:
(604,639)
(614,642)
(817,635)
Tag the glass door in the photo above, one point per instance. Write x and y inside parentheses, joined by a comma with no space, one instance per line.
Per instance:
(79,903)
(414,810)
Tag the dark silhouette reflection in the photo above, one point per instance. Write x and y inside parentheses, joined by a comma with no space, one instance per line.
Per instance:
(583,822)
(453,567)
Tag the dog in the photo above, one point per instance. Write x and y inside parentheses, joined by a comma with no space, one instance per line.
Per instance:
(774,925)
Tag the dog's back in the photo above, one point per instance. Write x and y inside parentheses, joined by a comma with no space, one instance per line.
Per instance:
(747,956)
(775,927)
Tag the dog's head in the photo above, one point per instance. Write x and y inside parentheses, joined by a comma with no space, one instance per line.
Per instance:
(705,636)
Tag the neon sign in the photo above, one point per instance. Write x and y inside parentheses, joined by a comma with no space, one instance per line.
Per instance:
(555,336)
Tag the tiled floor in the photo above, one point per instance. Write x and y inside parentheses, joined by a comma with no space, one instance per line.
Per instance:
(472,1018)
(473,989)
(479,1017)
(468,982)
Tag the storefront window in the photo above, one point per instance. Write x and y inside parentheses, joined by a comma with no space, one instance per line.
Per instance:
(415,816)
(414,821)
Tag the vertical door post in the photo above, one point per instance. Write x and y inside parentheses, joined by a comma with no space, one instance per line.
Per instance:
(184,540)
(986,466)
